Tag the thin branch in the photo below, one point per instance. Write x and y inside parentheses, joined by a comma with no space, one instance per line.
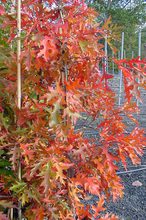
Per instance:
(8,145)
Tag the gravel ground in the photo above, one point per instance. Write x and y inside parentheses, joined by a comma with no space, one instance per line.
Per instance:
(133,204)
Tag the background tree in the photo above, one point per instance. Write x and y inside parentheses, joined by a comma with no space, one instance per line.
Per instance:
(129,16)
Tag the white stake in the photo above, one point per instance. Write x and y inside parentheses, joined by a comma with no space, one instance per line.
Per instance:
(19,54)
(19,95)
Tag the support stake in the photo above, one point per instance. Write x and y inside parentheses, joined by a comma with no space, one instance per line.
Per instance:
(19,95)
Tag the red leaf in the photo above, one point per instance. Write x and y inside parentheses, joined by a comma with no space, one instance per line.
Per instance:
(3,216)
(2,10)
(97,209)
(49,48)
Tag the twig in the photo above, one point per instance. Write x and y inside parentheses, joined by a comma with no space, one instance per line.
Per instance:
(8,145)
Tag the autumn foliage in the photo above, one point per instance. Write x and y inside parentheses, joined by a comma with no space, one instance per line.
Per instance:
(62,82)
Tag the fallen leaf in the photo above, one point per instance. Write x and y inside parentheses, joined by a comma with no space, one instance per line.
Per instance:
(137,183)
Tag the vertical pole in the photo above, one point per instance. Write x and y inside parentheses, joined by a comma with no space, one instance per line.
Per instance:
(125,56)
(139,51)
(19,54)
(139,44)
(11,214)
(19,85)
(121,78)
(106,55)
(119,55)
(132,54)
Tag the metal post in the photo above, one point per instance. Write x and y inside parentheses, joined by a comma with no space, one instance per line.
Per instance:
(19,95)
(121,78)
(106,55)
(139,51)
(132,54)
(119,55)
(139,44)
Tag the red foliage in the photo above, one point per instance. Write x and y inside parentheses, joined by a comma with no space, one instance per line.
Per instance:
(61,80)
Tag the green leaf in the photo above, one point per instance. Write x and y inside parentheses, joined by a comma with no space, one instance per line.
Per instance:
(4,163)
(33,95)
(6,172)
(83,45)
(20,131)
(18,187)
(4,121)
(2,152)
(24,199)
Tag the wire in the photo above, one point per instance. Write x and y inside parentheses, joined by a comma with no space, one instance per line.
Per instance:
(131,171)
